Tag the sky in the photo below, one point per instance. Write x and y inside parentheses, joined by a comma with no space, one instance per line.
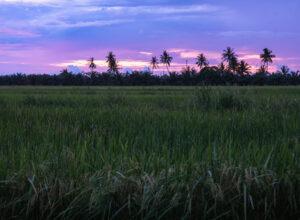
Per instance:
(46,36)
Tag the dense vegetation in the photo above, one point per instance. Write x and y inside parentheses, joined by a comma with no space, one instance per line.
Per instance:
(150,152)
(230,72)
(207,76)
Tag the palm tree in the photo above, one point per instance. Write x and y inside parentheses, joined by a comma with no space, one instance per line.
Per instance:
(295,73)
(266,57)
(230,57)
(92,65)
(221,67)
(112,63)
(262,69)
(201,61)
(243,68)
(166,59)
(285,70)
(154,63)
(233,64)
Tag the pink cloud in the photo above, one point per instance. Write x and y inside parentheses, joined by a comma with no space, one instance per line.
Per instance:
(146,53)
(188,53)
(18,33)
(250,57)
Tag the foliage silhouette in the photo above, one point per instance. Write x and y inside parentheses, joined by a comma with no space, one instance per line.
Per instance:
(267,57)
(211,75)
(112,63)
(243,67)
(154,63)
(92,64)
(284,70)
(235,73)
(202,61)
(230,57)
(166,59)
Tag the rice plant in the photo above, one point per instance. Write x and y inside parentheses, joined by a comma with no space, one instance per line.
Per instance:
(150,152)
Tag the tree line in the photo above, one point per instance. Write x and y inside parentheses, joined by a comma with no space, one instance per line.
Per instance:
(230,71)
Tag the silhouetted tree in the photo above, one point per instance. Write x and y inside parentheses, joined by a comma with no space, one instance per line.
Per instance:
(208,75)
(64,72)
(66,77)
(92,65)
(262,70)
(295,77)
(166,59)
(154,63)
(267,57)
(233,64)
(243,68)
(188,75)
(221,67)
(295,73)
(284,70)
(112,63)
(201,61)
(230,57)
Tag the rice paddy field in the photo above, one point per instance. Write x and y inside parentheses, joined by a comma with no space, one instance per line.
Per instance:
(150,152)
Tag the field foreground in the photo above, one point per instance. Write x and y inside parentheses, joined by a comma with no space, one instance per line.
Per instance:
(150,152)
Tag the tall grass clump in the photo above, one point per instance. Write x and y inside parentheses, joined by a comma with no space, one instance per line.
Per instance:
(149,153)
(222,99)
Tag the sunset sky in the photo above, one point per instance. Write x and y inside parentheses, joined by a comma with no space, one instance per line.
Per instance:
(46,36)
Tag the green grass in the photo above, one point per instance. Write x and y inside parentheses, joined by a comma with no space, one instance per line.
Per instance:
(150,152)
